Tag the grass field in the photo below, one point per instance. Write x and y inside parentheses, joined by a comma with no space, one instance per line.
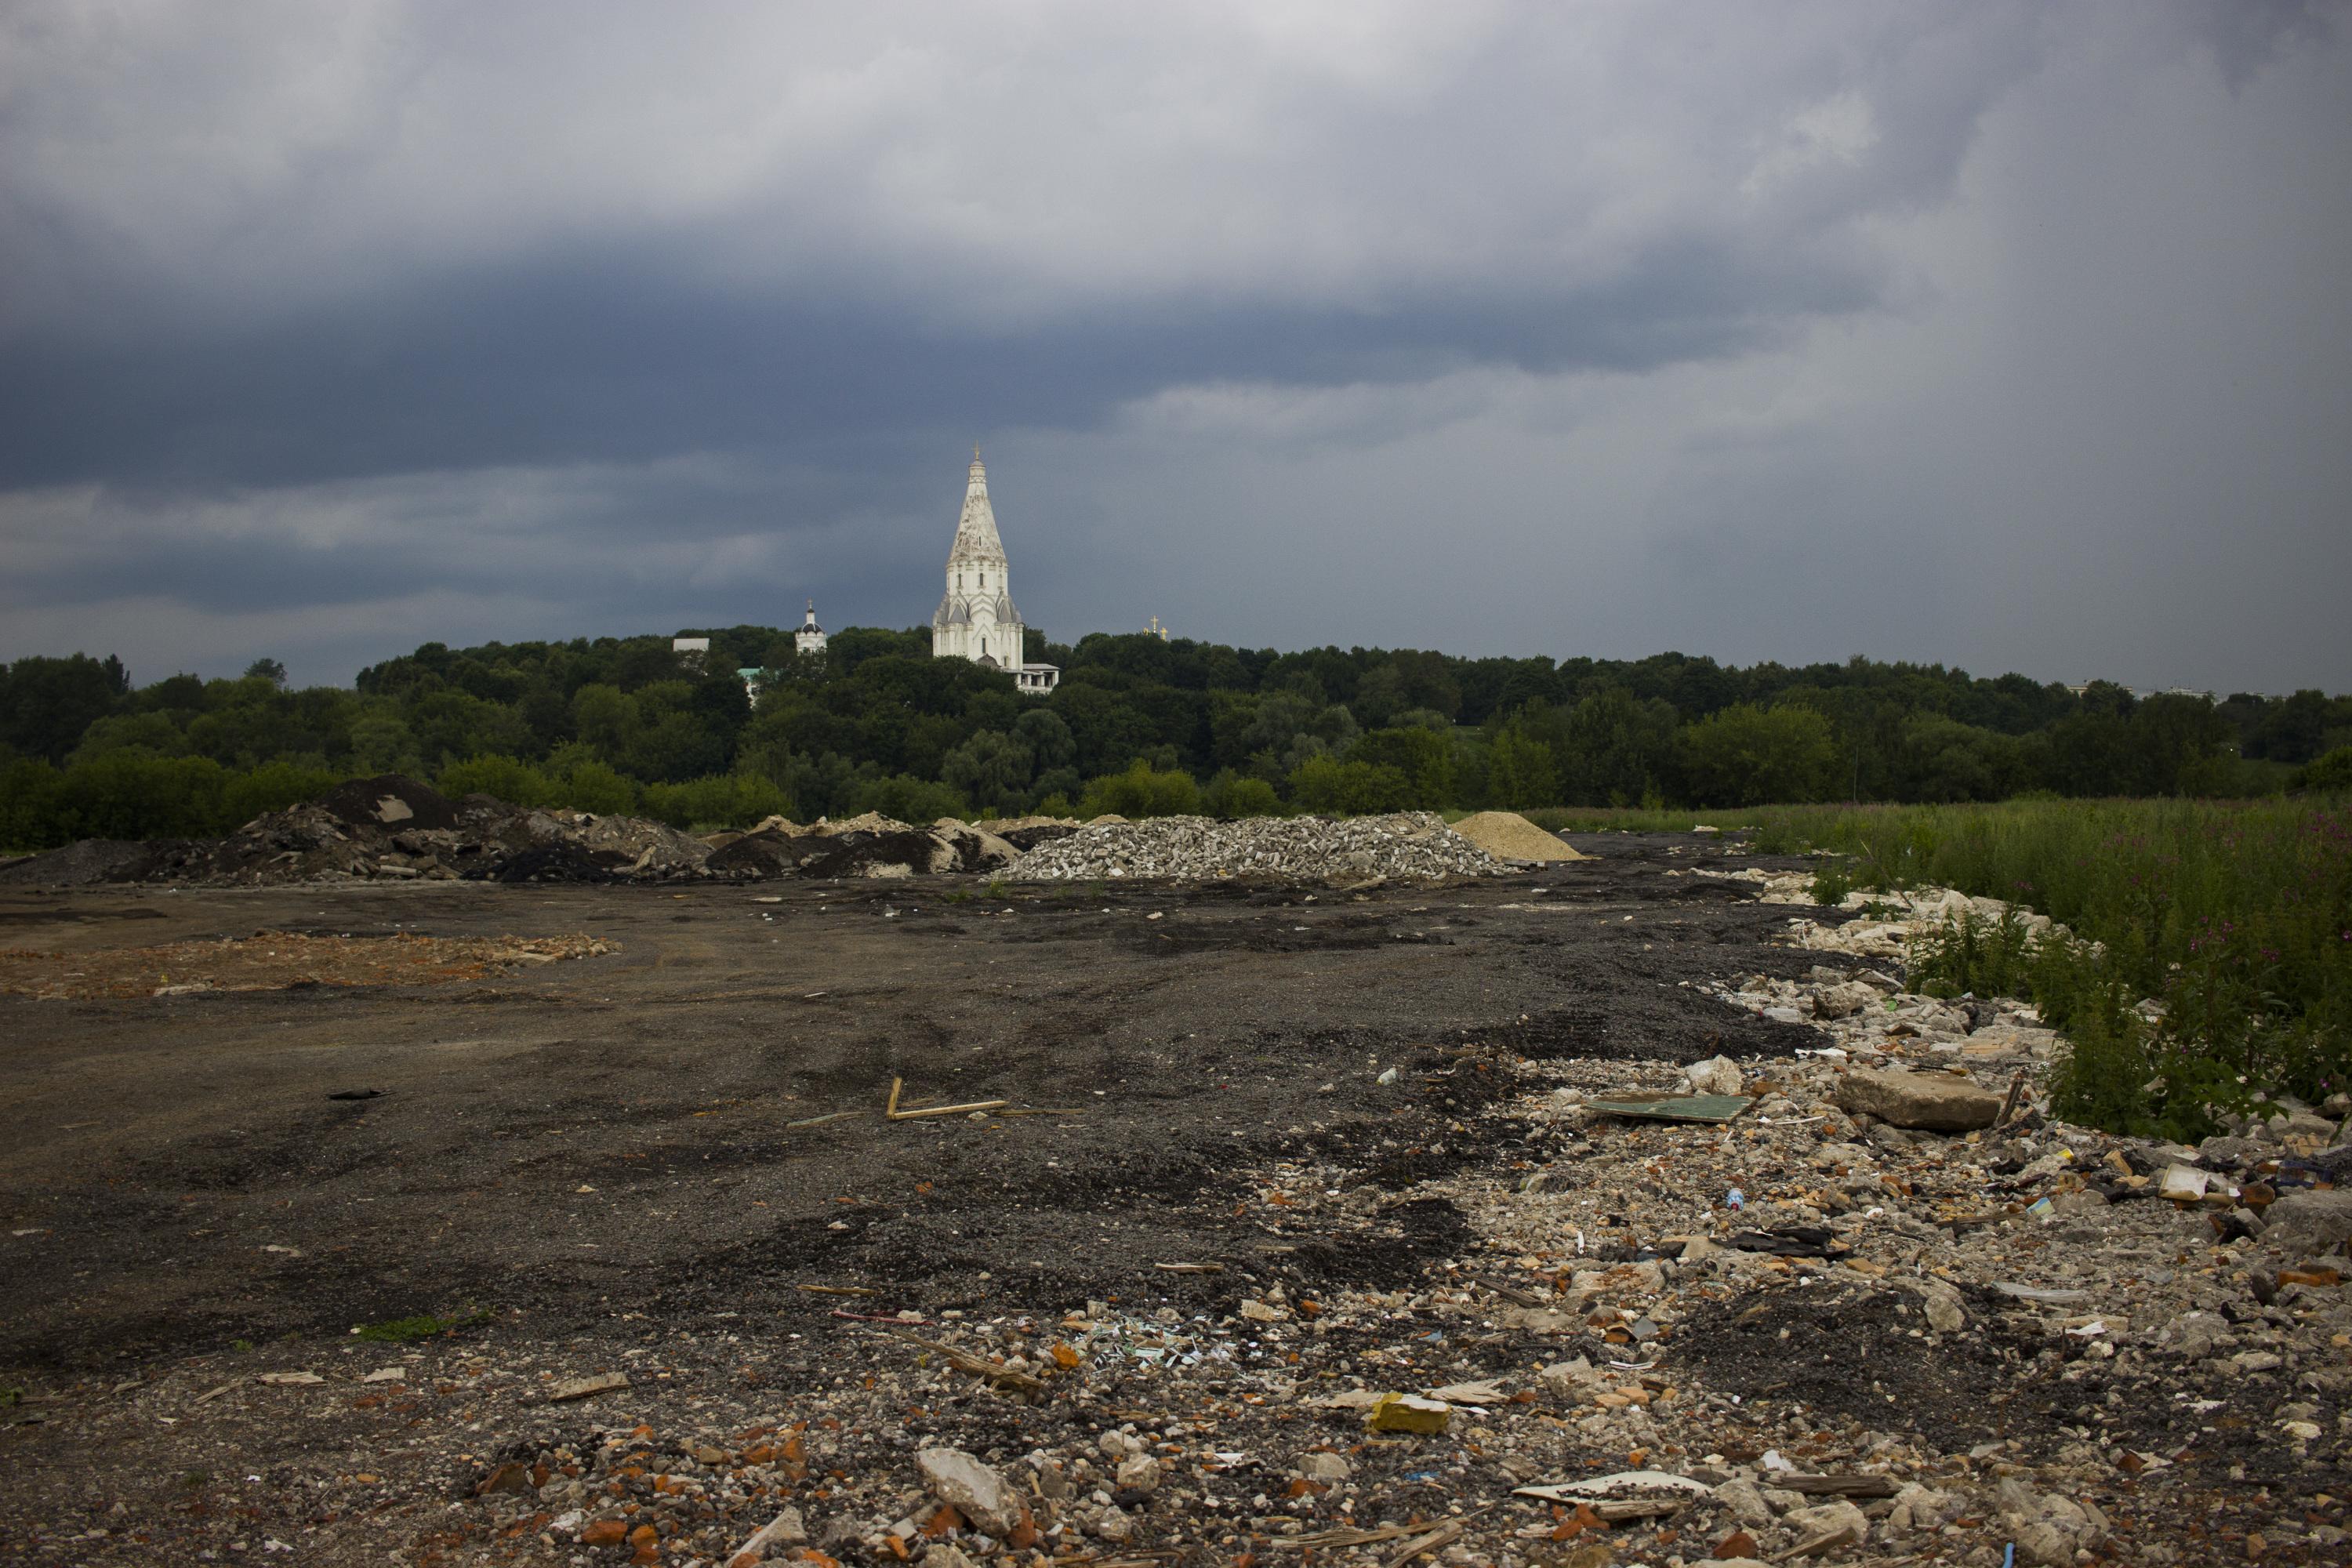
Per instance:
(2235,917)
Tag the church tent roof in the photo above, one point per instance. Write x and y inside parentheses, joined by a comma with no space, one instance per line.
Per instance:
(975,537)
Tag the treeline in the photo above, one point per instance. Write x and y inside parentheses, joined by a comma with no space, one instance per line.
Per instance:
(1138,724)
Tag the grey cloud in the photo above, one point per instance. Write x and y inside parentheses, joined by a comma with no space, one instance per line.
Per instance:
(640,319)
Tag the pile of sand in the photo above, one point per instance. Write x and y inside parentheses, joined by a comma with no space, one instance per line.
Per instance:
(1507,835)
(866,822)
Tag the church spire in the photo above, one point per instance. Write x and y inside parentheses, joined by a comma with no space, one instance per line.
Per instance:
(976,538)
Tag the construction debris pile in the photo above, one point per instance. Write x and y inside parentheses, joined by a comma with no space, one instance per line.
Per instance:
(1403,845)
(1862,1320)
(396,830)
(862,846)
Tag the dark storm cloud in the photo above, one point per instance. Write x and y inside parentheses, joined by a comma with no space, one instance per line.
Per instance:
(339,329)
(554,361)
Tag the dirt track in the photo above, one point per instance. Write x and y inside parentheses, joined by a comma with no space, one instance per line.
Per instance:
(163,1143)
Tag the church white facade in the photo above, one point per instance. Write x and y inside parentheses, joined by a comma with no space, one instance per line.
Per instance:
(976,619)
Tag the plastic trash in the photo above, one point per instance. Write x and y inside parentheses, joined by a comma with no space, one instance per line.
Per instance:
(1735,1199)
(1406,1413)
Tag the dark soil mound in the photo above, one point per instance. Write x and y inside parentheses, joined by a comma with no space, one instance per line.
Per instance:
(549,863)
(390,799)
(769,854)
(1027,839)
(93,860)
(1853,1353)
(859,854)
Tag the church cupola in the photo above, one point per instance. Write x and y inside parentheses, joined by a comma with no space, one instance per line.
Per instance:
(810,638)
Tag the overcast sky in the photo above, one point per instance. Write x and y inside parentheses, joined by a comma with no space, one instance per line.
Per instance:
(2017,336)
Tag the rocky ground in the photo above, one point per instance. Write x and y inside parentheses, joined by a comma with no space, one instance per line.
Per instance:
(620,1259)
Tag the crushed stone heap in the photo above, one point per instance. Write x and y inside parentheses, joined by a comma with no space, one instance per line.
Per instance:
(1410,845)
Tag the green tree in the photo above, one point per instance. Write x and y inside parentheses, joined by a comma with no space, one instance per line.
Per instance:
(503,778)
(1048,738)
(1142,791)
(991,770)
(1746,755)
(1348,788)
(1520,770)
(46,703)
(1616,749)
(1424,758)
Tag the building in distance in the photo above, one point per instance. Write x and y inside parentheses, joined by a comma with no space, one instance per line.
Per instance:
(976,619)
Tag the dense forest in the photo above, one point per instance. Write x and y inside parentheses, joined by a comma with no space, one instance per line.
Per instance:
(1140,724)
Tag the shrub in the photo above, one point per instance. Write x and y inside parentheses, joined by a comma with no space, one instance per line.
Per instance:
(504,778)
(1232,796)
(597,787)
(1142,791)
(272,786)
(720,800)
(125,795)
(2330,775)
(909,799)
(32,806)
(1328,784)
(1973,954)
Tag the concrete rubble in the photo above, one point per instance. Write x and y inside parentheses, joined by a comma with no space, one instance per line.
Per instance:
(1895,1350)
(396,830)
(1403,845)
(1892,1312)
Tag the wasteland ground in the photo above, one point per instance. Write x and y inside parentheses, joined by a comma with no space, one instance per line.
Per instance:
(592,1164)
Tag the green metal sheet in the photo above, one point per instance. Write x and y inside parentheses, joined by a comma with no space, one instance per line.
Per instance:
(1677,1107)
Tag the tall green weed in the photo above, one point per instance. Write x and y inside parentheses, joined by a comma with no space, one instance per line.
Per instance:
(2236,919)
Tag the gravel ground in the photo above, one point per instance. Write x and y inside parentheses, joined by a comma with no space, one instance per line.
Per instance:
(1291,1152)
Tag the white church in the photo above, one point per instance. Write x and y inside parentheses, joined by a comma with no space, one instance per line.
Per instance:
(976,619)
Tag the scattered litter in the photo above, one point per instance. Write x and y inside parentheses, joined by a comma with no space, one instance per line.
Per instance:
(2184,1182)
(2037,1293)
(1406,1413)
(581,1388)
(1707,1108)
(891,1110)
(1471,1394)
(1622,1482)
